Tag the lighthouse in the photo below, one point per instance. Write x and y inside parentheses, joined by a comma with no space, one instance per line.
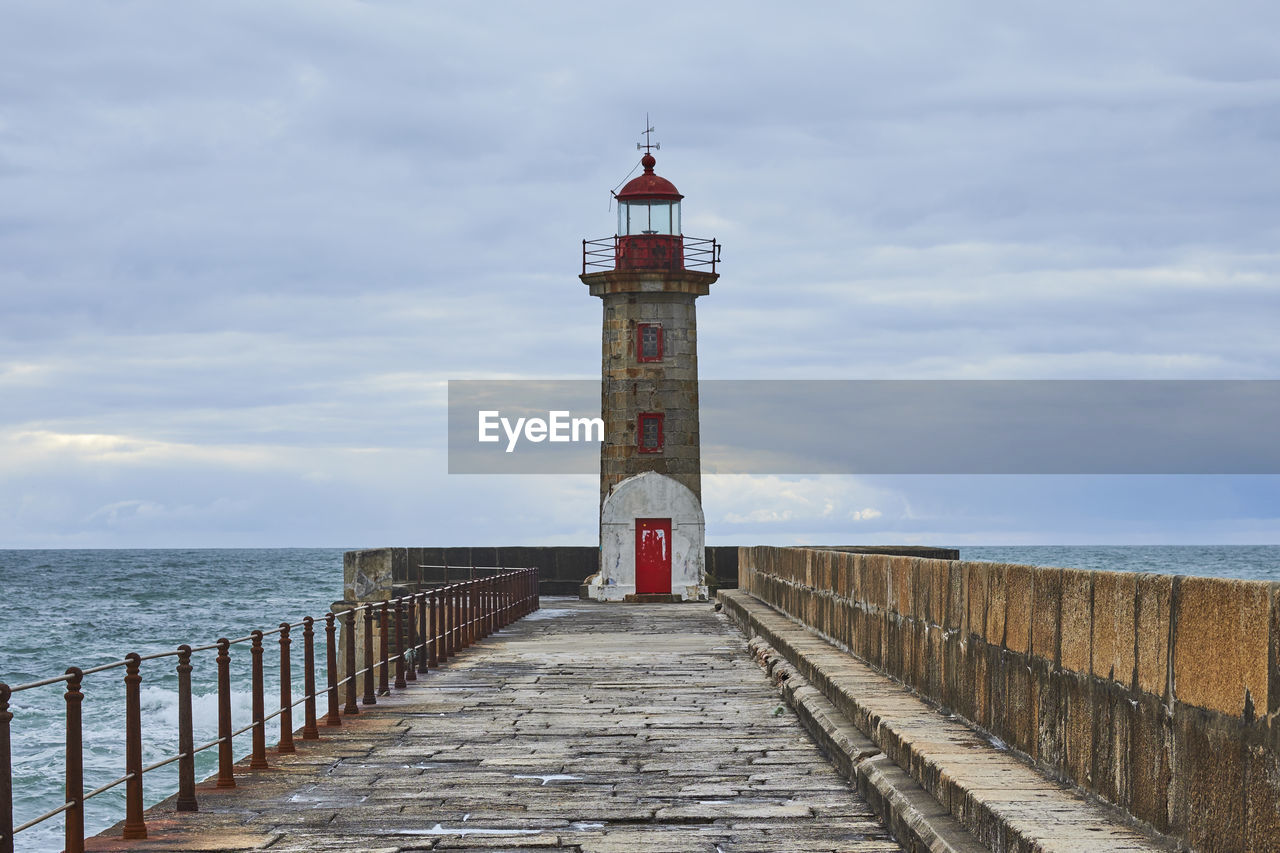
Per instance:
(648,277)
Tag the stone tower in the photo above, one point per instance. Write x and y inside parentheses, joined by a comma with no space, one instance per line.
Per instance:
(648,276)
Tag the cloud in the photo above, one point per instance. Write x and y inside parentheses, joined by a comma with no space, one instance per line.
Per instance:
(258,238)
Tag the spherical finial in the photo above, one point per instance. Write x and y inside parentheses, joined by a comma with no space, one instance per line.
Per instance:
(648,162)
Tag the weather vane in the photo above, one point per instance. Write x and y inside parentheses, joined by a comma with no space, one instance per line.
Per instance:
(647,145)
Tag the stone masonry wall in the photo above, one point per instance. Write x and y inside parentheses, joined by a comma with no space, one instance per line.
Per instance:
(1157,693)
(669,387)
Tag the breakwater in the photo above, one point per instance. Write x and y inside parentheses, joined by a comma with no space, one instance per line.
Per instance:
(1156,693)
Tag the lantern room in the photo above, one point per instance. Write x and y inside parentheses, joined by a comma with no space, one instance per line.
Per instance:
(649,204)
(649,222)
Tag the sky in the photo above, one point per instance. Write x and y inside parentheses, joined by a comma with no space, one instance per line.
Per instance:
(245,245)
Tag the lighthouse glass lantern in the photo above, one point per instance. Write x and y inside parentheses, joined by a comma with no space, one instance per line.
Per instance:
(648,216)
(649,223)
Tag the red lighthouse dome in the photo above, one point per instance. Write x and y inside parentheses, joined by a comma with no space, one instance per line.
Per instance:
(649,185)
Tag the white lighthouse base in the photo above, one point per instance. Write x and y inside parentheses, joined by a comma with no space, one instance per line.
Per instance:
(652,496)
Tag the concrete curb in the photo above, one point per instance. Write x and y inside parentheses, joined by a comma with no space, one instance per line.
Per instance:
(913,816)
(933,767)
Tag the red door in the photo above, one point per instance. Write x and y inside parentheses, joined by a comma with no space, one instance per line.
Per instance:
(653,556)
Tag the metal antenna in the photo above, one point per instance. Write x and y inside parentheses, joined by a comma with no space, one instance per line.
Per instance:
(647,144)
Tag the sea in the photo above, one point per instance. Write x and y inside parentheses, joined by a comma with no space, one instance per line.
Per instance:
(87,607)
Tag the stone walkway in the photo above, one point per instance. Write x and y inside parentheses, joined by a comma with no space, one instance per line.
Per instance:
(584,727)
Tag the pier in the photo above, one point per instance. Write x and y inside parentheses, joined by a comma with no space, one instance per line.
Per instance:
(835,701)
(581,727)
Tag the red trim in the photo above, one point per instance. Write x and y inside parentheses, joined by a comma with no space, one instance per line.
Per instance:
(640,422)
(640,356)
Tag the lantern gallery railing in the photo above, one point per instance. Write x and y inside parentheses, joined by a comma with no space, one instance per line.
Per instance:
(609,253)
(427,628)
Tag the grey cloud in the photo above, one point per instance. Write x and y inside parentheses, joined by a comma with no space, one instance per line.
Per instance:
(241,222)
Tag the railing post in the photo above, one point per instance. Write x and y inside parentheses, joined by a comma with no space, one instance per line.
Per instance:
(384,673)
(186,736)
(490,624)
(135,826)
(410,638)
(369,698)
(503,589)
(423,653)
(442,624)
(258,759)
(468,588)
(433,630)
(73,825)
(457,618)
(350,650)
(461,605)
(6,773)
(401,684)
(334,717)
(285,745)
(309,730)
(226,758)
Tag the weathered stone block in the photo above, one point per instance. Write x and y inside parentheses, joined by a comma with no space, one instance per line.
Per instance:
(980,675)
(849,568)
(933,577)
(935,664)
(1111,724)
(956,607)
(1077,726)
(1272,705)
(920,654)
(1262,800)
(996,604)
(367,575)
(1221,643)
(956,693)
(1208,770)
(1018,723)
(1112,653)
(975,593)
(1154,593)
(1046,615)
(1019,607)
(1047,710)
(1150,770)
(900,585)
(876,580)
(1076,635)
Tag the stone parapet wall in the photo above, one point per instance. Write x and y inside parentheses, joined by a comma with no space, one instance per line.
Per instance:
(1154,692)
(561,568)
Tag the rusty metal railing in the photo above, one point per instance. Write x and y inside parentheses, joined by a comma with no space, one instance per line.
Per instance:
(699,253)
(429,626)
